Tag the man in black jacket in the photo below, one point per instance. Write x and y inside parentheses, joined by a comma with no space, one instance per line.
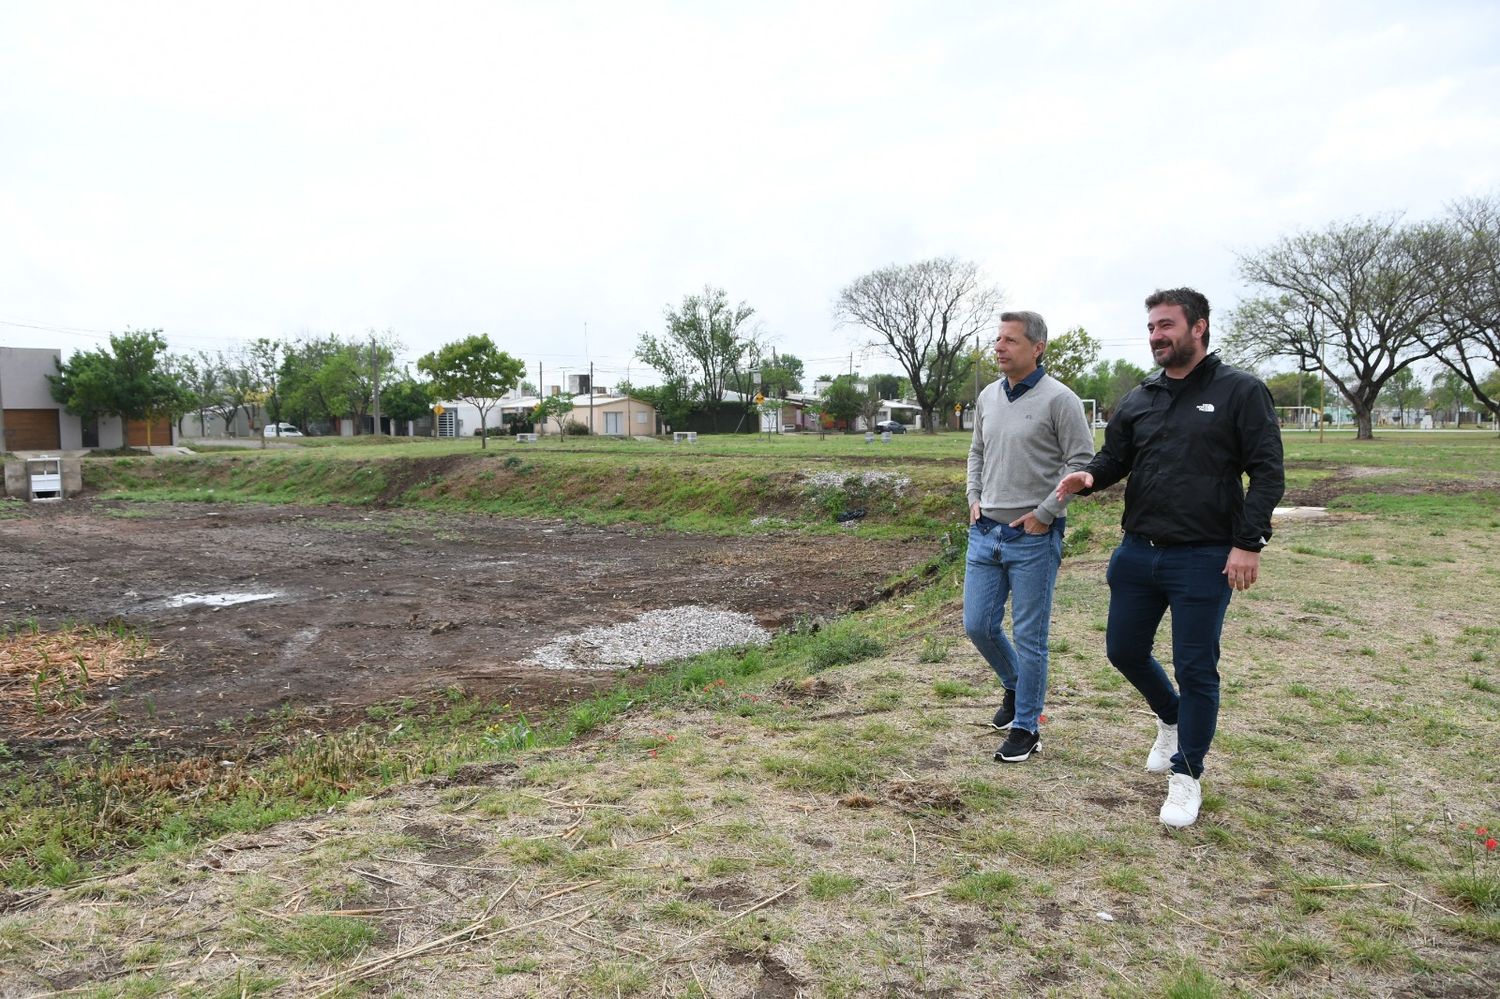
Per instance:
(1193,535)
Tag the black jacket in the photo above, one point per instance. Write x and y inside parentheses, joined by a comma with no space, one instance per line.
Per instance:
(1185,455)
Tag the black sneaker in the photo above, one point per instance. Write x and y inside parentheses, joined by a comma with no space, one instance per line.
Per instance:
(1019,746)
(1006,713)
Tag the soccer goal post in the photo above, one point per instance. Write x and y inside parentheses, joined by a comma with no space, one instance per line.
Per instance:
(1298,417)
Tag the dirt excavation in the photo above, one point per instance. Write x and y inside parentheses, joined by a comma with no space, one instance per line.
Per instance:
(260,610)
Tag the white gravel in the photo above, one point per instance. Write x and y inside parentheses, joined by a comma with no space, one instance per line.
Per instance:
(893,481)
(654,637)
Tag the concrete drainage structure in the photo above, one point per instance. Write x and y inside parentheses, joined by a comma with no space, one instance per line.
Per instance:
(42,477)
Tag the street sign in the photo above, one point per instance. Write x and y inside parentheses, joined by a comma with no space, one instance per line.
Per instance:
(438,409)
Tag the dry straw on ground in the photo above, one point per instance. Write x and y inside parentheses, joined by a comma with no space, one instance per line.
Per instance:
(713,849)
(44,674)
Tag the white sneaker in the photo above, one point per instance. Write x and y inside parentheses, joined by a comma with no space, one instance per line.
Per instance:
(1184,795)
(1163,749)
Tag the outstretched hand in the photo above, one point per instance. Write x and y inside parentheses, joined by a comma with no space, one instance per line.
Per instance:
(1074,482)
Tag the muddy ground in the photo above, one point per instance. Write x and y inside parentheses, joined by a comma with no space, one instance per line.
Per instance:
(373,606)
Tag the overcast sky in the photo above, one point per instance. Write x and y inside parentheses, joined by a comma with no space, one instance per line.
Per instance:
(538,170)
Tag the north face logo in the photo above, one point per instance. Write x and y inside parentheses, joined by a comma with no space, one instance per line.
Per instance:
(1205,407)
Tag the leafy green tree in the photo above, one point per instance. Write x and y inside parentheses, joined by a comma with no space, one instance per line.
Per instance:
(672,401)
(475,371)
(237,388)
(265,357)
(200,379)
(1450,394)
(345,375)
(328,378)
(842,400)
(1109,382)
(407,399)
(814,411)
(302,391)
(1293,388)
(781,376)
(924,315)
(554,407)
(130,380)
(1405,391)
(888,386)
(1070,355)
(988,371)
(704,344)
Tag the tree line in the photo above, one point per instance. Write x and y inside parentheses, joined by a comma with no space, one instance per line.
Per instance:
(1355,306)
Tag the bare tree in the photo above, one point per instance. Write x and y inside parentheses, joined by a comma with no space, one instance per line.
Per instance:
(1466,269)
(1354,301)
(923,315)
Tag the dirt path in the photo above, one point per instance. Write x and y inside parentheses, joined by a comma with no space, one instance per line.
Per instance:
(355,607)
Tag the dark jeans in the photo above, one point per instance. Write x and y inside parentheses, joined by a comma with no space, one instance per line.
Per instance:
(1144,581)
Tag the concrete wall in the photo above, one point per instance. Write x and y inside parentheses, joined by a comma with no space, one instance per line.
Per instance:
(213,428)
(23,377)
(18,485)
(24,385)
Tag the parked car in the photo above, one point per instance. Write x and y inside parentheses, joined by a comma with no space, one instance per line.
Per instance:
(280,430)
(890,427)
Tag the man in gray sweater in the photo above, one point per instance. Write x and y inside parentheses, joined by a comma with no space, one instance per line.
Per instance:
(1029,431)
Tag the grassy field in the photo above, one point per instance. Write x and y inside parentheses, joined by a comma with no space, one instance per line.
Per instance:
(822,817)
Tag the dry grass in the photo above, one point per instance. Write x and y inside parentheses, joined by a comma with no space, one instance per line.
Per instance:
(848,835)
(44,674)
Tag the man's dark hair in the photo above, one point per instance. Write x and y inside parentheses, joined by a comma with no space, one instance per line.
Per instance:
(1194,306)
(1036,326)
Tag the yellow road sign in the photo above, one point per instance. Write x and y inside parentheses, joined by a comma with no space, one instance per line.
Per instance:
(438,409)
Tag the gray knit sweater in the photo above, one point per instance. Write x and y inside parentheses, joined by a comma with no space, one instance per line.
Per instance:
(1021,449)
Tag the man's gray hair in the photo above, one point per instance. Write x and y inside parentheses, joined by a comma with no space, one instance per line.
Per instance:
(1036,326)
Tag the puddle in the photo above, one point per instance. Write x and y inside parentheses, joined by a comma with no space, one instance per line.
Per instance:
(216,599)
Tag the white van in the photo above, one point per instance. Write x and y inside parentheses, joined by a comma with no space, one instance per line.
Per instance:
(280,430)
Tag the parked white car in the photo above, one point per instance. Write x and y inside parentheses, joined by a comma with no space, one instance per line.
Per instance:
(280,430)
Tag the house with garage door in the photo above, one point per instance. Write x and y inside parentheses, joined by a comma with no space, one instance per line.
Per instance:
(34,421)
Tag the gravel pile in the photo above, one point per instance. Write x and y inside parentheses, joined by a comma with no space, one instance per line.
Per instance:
(654,637)
(893,481)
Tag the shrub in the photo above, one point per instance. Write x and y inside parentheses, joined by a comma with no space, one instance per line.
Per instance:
(575,429)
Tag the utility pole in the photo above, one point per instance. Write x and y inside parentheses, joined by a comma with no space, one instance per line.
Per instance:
(375,381)
(978,361)
(1322,402)
(591,382)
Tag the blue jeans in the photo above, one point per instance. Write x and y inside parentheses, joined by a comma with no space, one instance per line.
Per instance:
(1144,581)
(1003,562)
